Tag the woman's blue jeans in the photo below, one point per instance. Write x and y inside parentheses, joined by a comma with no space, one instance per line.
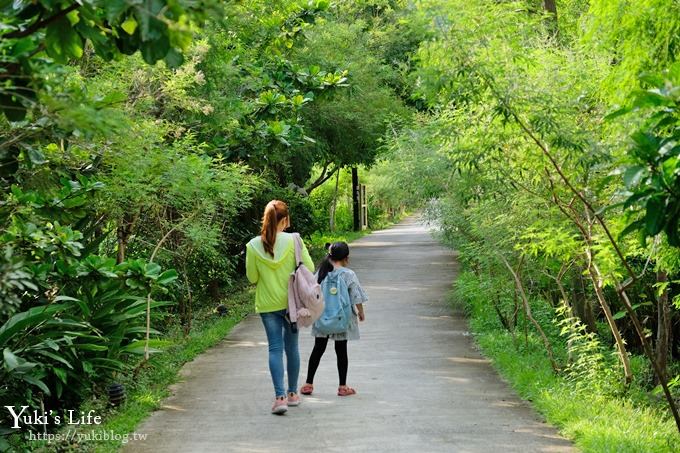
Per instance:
(280,338)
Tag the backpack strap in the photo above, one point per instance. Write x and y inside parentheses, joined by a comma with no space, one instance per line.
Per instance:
(298,249)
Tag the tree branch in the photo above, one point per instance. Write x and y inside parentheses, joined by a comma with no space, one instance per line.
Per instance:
(40,24)
(148,296)
(527,311)
(325,176)
(558,169)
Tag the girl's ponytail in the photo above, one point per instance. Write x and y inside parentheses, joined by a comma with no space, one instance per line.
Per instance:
(326,266)
(337,251)
(274,212)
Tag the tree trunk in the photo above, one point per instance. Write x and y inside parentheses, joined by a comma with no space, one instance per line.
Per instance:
(122,245)
(187,313)
(214,290)
(530,317)
(356,203)
(334,206)
(551,7)
(123,233)
(515,312)
(620,345)
(599,220)
(663,332)
(582,306)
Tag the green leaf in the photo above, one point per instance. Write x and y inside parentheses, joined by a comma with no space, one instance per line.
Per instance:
(23,46)
(130,25)
(87,367)
(31,317)
(637,197)
(174,59)
(60,373)
(62,41)
(633,175)
(151,28)
(634,226)
(647,145)
(672,230)
(619,315)
(66,298)
(73,17)
(92,347)
(64,323)
(56,357)
(617,113)
(115,8)
(11,360)
(103,46)
(137,347)
(37,382)
(152,51)
(110,364)
(651,98)
(133,283)
(152,270)
(654,217)
(135,330)
(167,277)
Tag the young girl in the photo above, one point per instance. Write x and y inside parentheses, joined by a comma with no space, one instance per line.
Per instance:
(337,261)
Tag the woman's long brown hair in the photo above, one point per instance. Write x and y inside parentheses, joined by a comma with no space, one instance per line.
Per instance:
(274,212)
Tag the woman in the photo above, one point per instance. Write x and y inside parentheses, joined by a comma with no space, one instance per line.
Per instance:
(270,259)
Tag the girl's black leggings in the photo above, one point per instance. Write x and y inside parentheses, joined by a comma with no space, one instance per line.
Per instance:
(317,353)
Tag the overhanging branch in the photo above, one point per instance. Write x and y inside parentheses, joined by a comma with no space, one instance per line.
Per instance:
(325,176)
(40,24)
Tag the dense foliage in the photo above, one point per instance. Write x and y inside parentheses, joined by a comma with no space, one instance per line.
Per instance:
(139,142)
(551,151)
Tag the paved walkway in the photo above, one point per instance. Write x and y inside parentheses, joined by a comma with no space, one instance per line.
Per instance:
(422,386)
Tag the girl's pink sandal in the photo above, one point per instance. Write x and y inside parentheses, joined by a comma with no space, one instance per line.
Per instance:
(346,391)
(307,389)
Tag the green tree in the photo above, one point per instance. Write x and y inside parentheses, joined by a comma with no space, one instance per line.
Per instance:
(62,31)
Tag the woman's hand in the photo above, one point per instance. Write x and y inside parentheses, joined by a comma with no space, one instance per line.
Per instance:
(360,309)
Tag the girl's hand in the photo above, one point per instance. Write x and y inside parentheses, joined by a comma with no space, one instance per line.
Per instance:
(362,318)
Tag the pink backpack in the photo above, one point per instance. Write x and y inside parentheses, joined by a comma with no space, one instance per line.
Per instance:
(305,300)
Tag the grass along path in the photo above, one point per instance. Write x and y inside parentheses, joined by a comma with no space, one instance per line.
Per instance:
(596,422)
(154,380)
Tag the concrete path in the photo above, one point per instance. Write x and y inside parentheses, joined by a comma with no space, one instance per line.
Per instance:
(422,386)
